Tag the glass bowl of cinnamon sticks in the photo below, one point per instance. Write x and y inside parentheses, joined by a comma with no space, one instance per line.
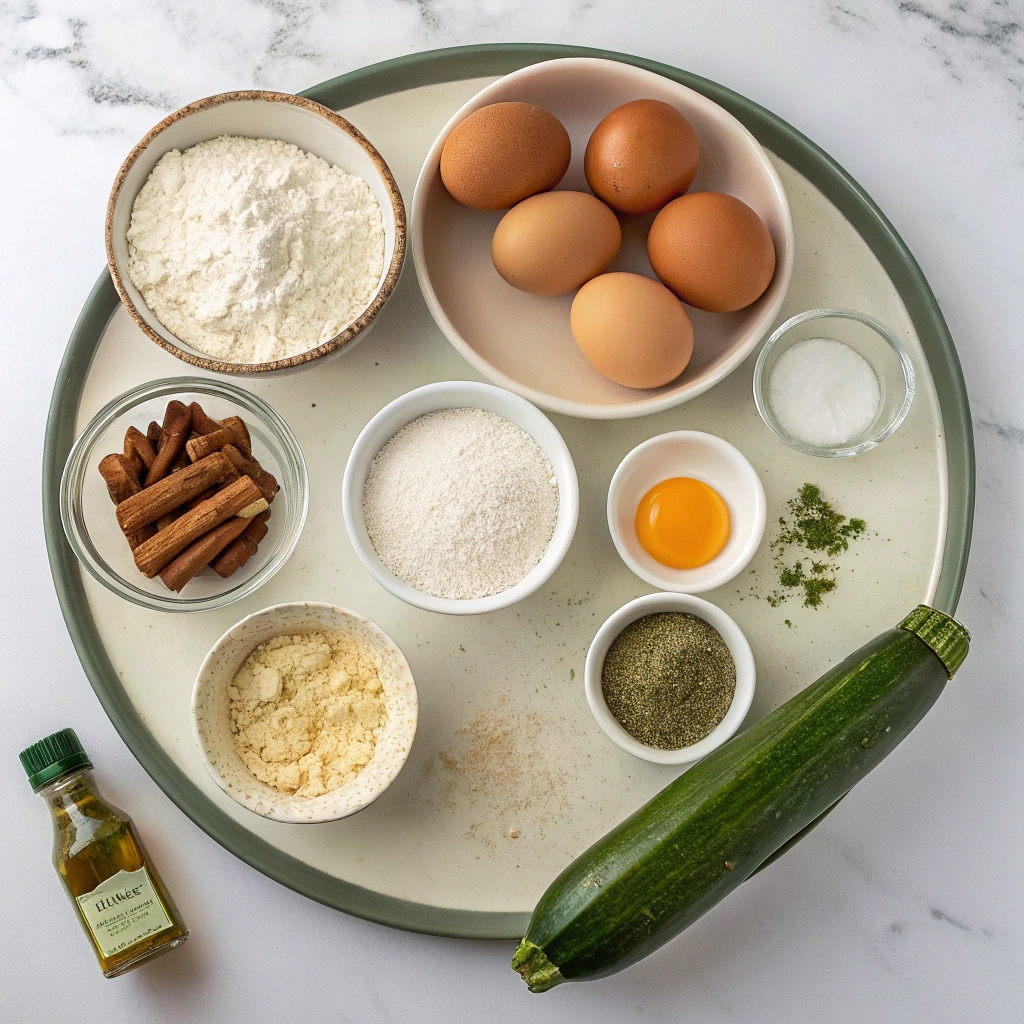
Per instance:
(184,494)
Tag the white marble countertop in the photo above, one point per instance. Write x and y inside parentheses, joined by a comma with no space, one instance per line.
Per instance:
(907,903)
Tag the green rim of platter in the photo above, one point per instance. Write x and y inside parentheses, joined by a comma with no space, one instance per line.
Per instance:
(410,72)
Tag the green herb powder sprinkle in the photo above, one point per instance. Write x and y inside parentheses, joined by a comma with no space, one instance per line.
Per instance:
(668,679)
(815,526)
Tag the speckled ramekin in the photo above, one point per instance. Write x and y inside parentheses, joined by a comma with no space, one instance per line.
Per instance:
(260,114)
(211,726)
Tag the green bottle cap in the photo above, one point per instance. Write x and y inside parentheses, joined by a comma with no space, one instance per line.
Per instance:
(58,753)
(943,634)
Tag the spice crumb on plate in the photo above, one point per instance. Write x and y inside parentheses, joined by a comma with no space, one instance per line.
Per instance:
(816,525)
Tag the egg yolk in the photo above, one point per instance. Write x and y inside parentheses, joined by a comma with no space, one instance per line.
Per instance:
(682,523)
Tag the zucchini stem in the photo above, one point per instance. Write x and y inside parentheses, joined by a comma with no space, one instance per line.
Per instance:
(537,970)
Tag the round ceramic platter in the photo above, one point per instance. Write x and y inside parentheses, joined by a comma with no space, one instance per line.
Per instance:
(510,777)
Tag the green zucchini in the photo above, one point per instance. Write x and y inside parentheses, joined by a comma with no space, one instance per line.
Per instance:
(714,826)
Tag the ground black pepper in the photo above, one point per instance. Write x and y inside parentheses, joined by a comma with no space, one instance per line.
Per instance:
(668,679)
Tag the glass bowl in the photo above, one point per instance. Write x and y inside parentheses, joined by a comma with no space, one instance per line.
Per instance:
(869,338)
(88,513)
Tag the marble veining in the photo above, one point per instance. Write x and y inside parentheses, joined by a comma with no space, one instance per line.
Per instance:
(1004,431)
(992,30)
(291,43)
(961,34)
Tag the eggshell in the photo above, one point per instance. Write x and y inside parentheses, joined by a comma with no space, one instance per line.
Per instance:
(641,155)
(503,153)
(552,243)
(712,250)
(632,329)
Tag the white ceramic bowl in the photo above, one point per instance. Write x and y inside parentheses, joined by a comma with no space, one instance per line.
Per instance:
(651,604)
(711,460)
(257,115)
(458,394)
(523,342)
(211,713)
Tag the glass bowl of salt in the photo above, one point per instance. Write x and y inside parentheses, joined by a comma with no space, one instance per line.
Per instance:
(833,383)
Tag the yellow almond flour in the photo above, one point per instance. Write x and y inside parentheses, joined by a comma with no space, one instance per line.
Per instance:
(307,711)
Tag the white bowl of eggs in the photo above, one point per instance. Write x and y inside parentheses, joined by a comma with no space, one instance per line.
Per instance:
(600,240)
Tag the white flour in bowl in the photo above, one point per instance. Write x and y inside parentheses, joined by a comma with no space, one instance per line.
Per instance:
(252,250)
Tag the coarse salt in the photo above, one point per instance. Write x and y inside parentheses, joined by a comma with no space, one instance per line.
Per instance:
(823,392)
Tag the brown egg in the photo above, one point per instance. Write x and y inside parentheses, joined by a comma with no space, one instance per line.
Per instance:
(712,250)
(552,243)
(503,153)
(641,155)
(632,329)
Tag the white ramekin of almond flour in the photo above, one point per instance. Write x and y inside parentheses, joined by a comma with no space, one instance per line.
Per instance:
(211,717)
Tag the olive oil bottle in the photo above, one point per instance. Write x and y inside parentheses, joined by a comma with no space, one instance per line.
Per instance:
(121,902)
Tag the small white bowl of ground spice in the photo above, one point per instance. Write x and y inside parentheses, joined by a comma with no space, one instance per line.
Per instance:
(669,678)
(304,712)
(460,498)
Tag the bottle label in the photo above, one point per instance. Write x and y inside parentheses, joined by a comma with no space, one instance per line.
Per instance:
(123,910)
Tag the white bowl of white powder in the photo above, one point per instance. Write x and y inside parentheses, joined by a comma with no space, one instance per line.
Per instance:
(460,497)
(254,233)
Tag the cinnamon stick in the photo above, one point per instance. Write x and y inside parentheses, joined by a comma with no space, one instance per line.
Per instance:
(257,528)
(173,435)
(201,423)
(239,551)
(237,427)
(204,444)
(160,549)
(148,505)
(189,505)
(181,461)
(121,486)
(248,466)
(153,434)
(115,473)
(134,464)
(137,441)
(200,553)
(234,556)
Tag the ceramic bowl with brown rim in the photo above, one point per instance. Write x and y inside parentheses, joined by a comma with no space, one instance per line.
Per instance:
(257,115)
